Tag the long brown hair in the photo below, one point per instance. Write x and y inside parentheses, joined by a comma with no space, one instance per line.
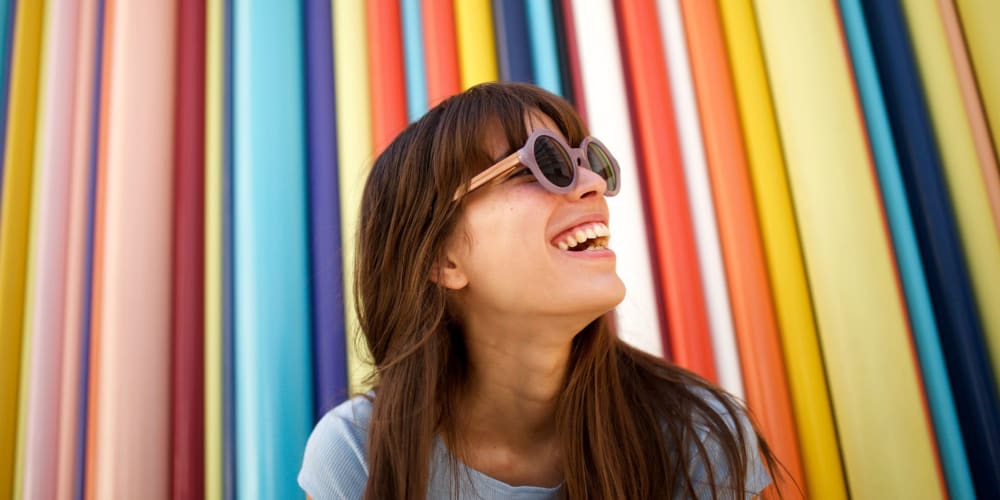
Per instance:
(627,421)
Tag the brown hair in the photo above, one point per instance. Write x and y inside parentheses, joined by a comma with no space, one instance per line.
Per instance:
(627,421)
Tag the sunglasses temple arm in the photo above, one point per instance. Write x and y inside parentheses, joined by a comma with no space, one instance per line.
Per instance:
(489,174)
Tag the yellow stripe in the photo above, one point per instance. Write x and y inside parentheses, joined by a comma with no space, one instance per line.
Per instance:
(979,18)
(980,241)
(14,222)
(878,405)
(803,362)
(477,58)
(354,140)
(31,268)
(214,25)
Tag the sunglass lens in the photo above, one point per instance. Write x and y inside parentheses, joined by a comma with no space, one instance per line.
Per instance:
(554,161)
(602,164)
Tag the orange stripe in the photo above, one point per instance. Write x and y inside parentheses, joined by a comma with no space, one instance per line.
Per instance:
(673,245)
(388,82)
(750,294)
(440,50)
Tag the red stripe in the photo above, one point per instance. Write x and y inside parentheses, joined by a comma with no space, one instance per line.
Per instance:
(440,50)
(659,157)
(388,81)
(187,389)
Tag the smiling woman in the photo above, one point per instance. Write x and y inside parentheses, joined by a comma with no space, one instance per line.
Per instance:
(484,284)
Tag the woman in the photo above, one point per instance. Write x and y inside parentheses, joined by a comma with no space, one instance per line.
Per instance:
(484,287)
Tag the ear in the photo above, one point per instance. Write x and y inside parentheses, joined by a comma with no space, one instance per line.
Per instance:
(447,273)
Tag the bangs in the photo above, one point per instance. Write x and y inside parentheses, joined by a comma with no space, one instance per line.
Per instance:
(470,119)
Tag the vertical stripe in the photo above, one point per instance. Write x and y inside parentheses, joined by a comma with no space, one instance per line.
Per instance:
(214,25)
(637,317)
(749,290)
(413,50)
(925,330)
(973,106)
(962,171)
(713,275)
(188,299)
(131,384)
(979,26)
(477,60)
(329,343)
(45,311)
(667,201)
(968,365)
(824,473)
(15,218)
(354,154)
(272,339)
(514,57)
(544,53)
(863,330)
(441,50)
(70,393)
(387,75)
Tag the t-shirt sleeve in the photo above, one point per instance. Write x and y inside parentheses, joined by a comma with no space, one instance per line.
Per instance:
(335,464)
(757,477)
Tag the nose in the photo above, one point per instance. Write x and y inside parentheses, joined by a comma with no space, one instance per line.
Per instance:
(588,183)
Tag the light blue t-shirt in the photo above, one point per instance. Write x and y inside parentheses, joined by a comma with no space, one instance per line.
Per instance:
(335,465)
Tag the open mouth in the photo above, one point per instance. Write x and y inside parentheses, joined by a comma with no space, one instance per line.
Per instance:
(587,237)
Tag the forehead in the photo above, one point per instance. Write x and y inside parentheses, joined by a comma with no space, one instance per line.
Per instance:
(534,119)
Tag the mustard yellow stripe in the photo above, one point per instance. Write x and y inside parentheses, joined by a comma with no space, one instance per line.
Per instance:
(477,57)
(214,55)
(980,242)
(878,406)
(354,138)
(803,362)
(979,19)
(31,267)
(14,223)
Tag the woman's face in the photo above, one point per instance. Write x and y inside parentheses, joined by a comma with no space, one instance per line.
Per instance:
(512,246)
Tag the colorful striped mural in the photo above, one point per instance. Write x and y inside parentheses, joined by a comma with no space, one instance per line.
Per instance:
(809,216)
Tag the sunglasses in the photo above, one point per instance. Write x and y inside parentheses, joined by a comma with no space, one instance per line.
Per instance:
(553,163)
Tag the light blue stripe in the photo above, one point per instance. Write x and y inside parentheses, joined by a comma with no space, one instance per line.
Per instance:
(413,52)
(273,372)
(925,332)
(545,55)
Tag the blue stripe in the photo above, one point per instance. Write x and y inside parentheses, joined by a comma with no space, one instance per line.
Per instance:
(545,55)
(918,300)
(951,293)
(513,47)
(413,52)
(273,342)
(329,334)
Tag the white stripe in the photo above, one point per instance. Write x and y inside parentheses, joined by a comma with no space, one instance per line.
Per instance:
(607,109)
(713,275)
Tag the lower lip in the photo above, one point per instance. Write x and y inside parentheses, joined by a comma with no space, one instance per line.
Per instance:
(603,253)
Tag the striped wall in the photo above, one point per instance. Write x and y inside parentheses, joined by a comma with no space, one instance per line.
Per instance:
(810,217)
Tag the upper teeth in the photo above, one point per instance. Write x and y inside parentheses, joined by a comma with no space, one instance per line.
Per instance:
(582,234)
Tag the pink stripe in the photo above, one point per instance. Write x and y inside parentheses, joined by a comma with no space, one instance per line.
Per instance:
(51,223)
(973,107)
(132,315)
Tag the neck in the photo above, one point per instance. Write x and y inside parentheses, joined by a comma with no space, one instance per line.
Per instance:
(516,373)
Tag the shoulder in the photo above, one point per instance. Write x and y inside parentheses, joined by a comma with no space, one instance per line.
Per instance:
(712,467)
(335,463)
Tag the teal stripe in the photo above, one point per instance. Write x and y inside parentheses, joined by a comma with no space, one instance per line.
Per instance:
(545,55)
(413,52)
(273,372)
(924,326)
